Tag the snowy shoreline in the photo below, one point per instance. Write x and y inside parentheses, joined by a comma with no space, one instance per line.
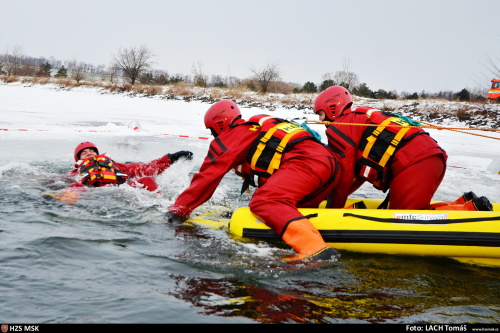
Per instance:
(440,112)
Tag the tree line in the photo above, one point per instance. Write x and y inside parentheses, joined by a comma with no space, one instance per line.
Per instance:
(135,65)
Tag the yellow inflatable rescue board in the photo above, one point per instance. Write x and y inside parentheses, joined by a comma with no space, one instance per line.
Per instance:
(467,236)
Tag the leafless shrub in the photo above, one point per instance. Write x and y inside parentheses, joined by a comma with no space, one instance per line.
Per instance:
(462,114)
(153,90)
(297,99)
(119,88)
(40,80)
(217,93)
(65,82)
(9,78)
(280,88)
(264,76)
(237,92)
(433,109)
(388,108)
(147,89)
(178,89)
(272,99)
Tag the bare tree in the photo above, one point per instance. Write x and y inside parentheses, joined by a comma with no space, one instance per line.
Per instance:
(112,73)
(492,71)
(266,75)
(13,60)
(218,81)
(233,81)
(200,78)
(76,70)
(133,61)
(345,77)
(494,66)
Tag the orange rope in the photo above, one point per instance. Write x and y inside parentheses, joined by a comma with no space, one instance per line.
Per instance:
(427,125)
(468,129)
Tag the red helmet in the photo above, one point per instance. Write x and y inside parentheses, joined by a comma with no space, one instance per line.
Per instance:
(221,115)
(333,101)
(82,146)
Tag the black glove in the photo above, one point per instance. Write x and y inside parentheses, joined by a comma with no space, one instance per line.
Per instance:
(171,217)
(183,153)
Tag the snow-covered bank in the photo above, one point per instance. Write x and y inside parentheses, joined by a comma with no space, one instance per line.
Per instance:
(468,114)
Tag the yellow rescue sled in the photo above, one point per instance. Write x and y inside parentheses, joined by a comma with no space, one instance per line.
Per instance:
(467,236)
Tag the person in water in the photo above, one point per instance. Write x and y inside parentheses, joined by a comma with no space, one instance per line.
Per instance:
(288,165)
(96,170)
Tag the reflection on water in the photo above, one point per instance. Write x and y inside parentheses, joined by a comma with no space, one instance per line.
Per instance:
(360,289)
(111,258)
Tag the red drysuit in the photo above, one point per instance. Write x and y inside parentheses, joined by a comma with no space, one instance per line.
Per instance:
(141,171)
(306,175)
(412,174)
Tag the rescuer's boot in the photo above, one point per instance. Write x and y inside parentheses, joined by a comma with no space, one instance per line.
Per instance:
(476,204)
(304,238)
(467,196)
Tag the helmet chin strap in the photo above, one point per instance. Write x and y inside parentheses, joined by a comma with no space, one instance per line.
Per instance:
(237,121)
(214,133)
(328,119)
(347,107)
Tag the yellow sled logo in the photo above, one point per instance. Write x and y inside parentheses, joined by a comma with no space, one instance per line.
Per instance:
(417,216)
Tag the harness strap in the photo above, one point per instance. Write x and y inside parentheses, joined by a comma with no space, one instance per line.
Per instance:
(266,152)
(262,145)
(392,148)
(291,129)
(393,144)
(276,160)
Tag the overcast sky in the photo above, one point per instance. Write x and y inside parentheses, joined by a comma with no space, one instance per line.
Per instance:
(431,45)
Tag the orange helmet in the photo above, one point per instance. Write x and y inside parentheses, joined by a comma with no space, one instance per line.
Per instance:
(333,101)
(82,146)
(221,115)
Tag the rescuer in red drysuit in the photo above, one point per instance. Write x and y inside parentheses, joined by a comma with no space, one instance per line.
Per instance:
(98,170)
(288,165)
(400,157)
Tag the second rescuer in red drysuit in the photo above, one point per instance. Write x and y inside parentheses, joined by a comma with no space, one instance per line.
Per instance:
(96,170)
(383,149)
(288,165)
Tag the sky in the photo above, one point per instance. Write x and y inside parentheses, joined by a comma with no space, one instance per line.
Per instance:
(407,46)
